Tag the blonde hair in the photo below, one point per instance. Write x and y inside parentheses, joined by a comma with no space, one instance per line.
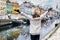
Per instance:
(34,13)
(38,10)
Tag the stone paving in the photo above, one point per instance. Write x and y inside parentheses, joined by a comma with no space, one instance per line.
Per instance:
(56,35)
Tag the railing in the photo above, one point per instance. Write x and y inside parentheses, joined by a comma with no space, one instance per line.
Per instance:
(51,32)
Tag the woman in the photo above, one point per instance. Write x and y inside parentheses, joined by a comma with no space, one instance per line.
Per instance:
(35,24)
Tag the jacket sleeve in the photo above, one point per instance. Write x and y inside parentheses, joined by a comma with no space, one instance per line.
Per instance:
(42,15)
(27,16)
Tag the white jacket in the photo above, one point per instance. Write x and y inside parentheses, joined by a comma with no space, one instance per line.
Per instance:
(35,23)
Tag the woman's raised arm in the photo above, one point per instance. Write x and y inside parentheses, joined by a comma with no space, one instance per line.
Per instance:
(27,16)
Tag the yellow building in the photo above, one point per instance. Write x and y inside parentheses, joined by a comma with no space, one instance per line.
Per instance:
(16,8)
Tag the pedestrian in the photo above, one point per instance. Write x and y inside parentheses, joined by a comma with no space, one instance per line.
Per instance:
(35,24)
